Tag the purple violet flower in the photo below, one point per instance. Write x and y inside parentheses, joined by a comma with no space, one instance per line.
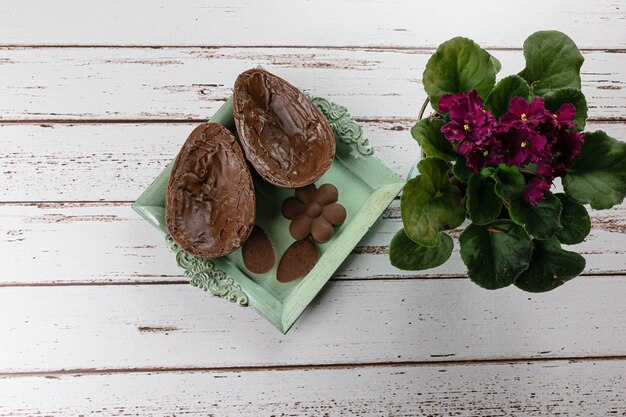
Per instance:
(523,112)
(567,145)
(470,124)
(470,100)
(565,115)
(490,153)
(534,190)
(527,134)
(524,145)
(545,168)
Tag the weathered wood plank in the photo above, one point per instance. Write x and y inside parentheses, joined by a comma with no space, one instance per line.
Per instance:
(108,243)
(145,328)
(172,326)
(585,389)
(92,162)
(116,162)
(274,22)
(183,83)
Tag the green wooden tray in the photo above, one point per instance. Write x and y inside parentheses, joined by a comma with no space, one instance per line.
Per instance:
(366,188)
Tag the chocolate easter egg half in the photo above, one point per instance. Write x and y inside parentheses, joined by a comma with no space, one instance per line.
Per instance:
(283,134)
(210,205)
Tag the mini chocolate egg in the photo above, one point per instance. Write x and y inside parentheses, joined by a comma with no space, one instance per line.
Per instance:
(210,204)
(284,135)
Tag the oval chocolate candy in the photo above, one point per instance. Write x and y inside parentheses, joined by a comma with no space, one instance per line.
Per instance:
(258,252)
(210,204)
(283,134)
(297,261)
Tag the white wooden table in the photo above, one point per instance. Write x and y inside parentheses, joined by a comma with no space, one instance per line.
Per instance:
(95,318)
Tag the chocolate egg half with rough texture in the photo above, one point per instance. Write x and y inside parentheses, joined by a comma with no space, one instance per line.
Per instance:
(283,134)
(210,205)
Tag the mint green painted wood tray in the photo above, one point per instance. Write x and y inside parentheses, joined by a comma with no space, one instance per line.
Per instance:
(366,188)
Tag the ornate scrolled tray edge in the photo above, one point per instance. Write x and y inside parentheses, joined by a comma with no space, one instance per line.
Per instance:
(203,274)
(344,127)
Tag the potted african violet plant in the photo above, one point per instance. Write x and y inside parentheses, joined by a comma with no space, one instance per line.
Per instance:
(493,152)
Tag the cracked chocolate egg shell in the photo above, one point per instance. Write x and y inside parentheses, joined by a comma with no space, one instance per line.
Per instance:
(283,134)
(210,205)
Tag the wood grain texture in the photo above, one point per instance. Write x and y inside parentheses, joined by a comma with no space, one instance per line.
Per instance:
(324,22)
(95,319)
(84,243)
(116,162)
(555,388)
(123,327)
(191,83)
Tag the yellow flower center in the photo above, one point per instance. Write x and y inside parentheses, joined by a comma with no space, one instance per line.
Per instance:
(523,144)
(467,127)
(485,152)
(555,116)
(523,116)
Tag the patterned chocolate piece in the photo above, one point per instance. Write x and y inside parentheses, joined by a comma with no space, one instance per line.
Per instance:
(314,212)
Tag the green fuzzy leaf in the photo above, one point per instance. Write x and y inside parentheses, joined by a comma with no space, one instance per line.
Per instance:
(488,171)
(510,182)
(483,205)
(496,63)
(430,203)
(410,256)
(507,88)
(550,267)
(552,61)
(460,170)
(541,221)
(495,254)
(434,172)
(458,65)
(575,220)
(555,99)
(428,134)
(598,176)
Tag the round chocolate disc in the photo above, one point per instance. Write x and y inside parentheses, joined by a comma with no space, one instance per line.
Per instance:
(297,261)
(210,204)
(284,135)
(258,252)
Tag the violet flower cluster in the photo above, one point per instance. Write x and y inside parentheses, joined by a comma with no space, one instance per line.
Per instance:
(528,136)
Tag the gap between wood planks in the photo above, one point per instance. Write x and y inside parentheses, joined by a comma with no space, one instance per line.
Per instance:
(392,48)
(407,121)
(390,277)
(305,367)
(178,279)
